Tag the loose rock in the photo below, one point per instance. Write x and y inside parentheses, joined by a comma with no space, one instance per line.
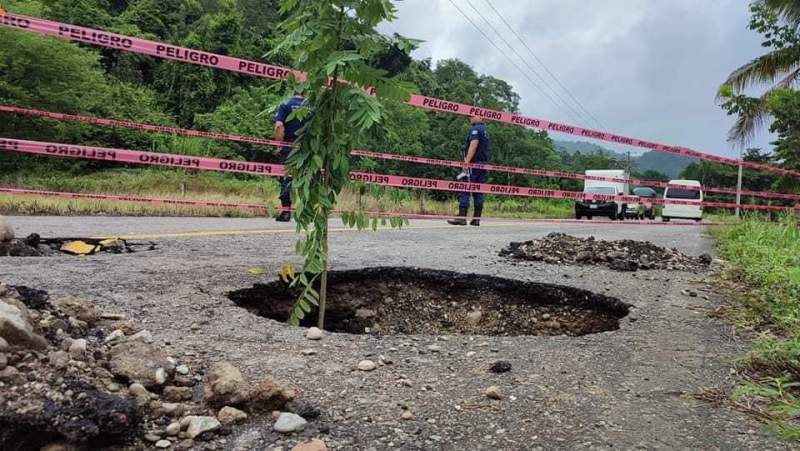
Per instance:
(313,445)
(494,392)
(139,362)
(163,444)
(79,309)
(225,385)
(268,396)
(474,317)
(314,334)
(16,330)
(367,365)
(144,336)
(230,415)
(199,425)
(177,394)
(289,422)
(114,336)
(78,348)
(173,429)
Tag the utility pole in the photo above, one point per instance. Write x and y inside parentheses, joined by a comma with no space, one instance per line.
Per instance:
(628,163)
(739,187)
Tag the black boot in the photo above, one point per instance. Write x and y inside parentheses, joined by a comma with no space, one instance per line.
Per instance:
(285,216)
(476,220)
(461,221)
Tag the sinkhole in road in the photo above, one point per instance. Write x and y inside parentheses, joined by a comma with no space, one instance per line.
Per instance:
(414,301)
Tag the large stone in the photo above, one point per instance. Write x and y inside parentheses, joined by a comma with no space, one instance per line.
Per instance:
(267,396)
(16,329)
(312,445)
(231,415)
(225,385)
(289,422)
(6,232)
(199,425)
(137,361)
(79,309)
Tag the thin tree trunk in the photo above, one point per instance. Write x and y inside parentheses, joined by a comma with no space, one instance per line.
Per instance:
(323,283)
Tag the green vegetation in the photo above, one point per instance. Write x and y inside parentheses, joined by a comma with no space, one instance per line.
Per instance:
(764,268)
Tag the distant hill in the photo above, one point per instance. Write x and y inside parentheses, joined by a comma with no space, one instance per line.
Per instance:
(671,165)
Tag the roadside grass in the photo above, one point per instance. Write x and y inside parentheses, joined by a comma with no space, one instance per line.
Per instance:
(230,188)
(764,272)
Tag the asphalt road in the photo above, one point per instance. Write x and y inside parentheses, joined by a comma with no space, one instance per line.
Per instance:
(626,389)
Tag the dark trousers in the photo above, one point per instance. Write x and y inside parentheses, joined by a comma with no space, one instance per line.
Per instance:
(286,181)
(476,176)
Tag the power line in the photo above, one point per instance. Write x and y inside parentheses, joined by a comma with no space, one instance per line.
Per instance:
(524,61)
(530,50)
(502,52)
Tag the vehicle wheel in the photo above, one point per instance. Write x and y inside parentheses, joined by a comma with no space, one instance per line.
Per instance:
(698,219)
(589,217)
(577,215)
(613,216)
(665,219)
(652,215)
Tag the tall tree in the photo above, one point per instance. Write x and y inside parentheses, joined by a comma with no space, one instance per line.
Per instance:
(777,21)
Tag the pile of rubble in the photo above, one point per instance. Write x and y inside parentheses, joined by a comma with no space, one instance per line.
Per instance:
(71,375)
(622,255)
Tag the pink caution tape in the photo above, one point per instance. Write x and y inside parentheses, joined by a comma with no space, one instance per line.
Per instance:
(380,214)
(145,127)
(213,164)
(377,155)
(201,58)
(508,190)
(146,47)
(140,157)
(562,174)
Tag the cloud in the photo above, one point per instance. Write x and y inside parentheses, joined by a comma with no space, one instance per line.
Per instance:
(647,69)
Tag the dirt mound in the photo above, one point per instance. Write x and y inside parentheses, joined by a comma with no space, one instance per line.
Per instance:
(36,246)
(622,255)
(391,301)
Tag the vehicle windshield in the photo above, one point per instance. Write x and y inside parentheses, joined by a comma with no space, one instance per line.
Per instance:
(601,190)
(677,193)
(644,192)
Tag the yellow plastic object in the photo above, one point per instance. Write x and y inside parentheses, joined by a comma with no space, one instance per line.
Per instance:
(79,248)
(108,241)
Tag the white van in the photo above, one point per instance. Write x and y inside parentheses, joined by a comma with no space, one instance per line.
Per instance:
(683,211)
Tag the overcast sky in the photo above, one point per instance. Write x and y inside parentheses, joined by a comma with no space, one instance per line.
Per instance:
(645,68)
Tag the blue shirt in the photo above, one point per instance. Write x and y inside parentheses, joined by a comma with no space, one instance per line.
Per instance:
(479,133)
(293,125)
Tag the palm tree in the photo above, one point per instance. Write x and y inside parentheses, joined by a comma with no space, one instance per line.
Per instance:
(779,21)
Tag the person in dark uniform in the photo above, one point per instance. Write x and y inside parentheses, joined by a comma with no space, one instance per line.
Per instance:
(476,150)
(287,131)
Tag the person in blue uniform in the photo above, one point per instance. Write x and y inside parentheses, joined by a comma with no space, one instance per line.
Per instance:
(286,130)
(476,150)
